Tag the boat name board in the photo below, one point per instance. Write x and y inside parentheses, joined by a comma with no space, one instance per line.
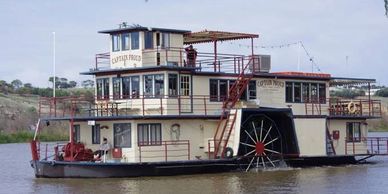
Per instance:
(270,84)
(127,57)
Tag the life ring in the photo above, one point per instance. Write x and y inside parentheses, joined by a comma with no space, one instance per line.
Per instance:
(228,152)
(352,107)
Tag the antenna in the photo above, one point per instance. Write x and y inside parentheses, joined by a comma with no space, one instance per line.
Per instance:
(54,80)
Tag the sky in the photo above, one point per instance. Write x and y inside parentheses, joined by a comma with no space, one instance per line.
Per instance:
(347,38)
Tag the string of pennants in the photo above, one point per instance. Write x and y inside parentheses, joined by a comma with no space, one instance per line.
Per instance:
(286,45)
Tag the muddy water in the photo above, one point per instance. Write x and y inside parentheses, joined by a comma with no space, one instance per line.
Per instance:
(17,177)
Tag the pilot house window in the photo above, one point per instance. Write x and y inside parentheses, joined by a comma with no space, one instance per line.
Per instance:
(115,42)
(148,40)
(125,41)
(134,40)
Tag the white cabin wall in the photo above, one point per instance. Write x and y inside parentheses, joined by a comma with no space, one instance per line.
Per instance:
(339,145)
(311,136)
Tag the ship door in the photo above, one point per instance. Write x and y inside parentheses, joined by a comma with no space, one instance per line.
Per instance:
(186,99)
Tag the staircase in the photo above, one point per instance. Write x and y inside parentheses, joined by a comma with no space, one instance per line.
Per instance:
(228,115)
(330,151)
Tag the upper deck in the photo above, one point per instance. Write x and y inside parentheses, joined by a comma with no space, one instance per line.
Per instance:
(149,72)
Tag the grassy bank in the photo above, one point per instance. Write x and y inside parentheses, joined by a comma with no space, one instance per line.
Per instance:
(25,136)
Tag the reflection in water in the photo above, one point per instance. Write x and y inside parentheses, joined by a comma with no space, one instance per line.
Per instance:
(368,178)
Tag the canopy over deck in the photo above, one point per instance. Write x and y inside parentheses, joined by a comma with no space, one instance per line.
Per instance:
(341,81)
(206,36)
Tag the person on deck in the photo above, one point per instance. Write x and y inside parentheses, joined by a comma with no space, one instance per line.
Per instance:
(191,55)
(104,148)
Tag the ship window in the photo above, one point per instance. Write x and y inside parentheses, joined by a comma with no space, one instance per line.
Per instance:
(314,92)
(289,95)
(185,85)
(134,40)
(96,134)
(213,90)
(219,90)
(76,133)
(353,131)
(148,85)
(159,85)
(154,85)
(252,90)
(122,135)
(102,88)
(115,42)
(148,40)
(165,40)
(149,134)
(125,41)
(322,93)
(116,87)
(172,85)
(135,87)
(306,92)
(297,92)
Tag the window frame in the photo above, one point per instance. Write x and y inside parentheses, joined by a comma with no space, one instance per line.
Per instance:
(305,93)
(148,40)
(149,141)
(77,133)
(96,131)
(173,83)
(135,41)
(115,143)
(101,89)
(153,82)
(125,43)
(353,138)
(116,39)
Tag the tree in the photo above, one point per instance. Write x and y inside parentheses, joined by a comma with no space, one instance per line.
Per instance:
(17,84)
(28,85)
(72,84)
(386,7)
(87,83)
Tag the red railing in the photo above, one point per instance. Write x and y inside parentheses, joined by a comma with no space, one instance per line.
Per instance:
(164,150)
(343,107)
(61,107)
(175,56)
(366,146)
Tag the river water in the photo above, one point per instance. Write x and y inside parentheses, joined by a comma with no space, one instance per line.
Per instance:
(17,177)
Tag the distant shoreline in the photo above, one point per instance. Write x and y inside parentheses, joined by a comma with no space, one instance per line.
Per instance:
(26,136)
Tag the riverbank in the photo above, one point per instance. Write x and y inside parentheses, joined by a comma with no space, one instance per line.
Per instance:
(26,136)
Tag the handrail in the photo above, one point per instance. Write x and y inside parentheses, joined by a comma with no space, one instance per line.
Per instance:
(164,148)
(366,146)
(226,62)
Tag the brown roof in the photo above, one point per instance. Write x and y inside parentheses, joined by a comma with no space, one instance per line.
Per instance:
(206,36)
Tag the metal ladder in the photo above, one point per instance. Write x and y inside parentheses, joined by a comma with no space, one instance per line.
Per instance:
(228,115)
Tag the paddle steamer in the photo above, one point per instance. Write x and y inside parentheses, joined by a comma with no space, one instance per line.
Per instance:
(167,108)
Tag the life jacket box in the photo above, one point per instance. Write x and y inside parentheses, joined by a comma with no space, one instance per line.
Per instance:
(336,134)
(117,153)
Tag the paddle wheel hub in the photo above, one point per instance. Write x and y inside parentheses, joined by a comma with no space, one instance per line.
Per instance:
(259,148)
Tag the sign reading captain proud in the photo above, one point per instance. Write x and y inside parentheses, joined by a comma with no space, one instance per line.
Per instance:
(270,84)
(125,59)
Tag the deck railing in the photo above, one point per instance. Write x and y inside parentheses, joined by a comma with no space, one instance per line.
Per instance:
(164,151)
(366,146)
(175,56)
(344,107)
(61,107)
